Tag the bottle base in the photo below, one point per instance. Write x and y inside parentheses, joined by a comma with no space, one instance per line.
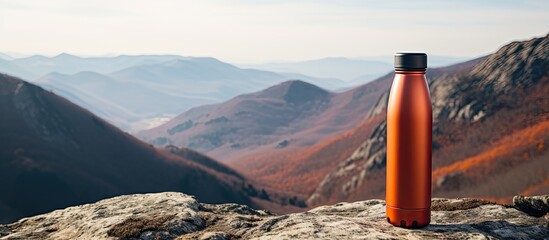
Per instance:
(408,218)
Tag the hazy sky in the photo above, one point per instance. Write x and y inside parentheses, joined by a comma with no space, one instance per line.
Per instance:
(248,31)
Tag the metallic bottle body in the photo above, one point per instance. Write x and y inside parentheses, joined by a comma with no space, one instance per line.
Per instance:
(409,129)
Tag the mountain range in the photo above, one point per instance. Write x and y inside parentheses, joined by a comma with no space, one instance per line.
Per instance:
(327,147)
(287,115)
(134,97)
(287,137)
(55,154)
(137,92)
(354,71)
(346,69)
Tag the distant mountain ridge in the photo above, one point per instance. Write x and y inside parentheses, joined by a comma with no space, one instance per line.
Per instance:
(354,71)
(158,87)
(154,87)
(333,67)
(123,103)
(70,64)
(5,56)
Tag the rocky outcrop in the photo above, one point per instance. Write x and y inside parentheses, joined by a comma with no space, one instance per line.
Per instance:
(380,106)
(492,85)
(535,206)
(173,215)
(351,173)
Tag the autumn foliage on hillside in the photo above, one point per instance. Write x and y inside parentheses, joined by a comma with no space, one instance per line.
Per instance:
(298,171)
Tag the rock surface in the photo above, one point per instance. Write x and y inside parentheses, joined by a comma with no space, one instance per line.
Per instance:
(535,206)
(173,215)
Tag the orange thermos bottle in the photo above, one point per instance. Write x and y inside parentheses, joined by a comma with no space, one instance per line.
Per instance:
(409,124)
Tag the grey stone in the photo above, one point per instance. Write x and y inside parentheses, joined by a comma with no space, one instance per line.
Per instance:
(535,206)
(178,216)
(216,236)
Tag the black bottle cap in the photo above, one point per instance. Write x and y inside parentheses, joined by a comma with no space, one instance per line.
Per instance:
(410,61)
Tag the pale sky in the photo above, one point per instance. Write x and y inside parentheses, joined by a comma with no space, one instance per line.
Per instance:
(249,31)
